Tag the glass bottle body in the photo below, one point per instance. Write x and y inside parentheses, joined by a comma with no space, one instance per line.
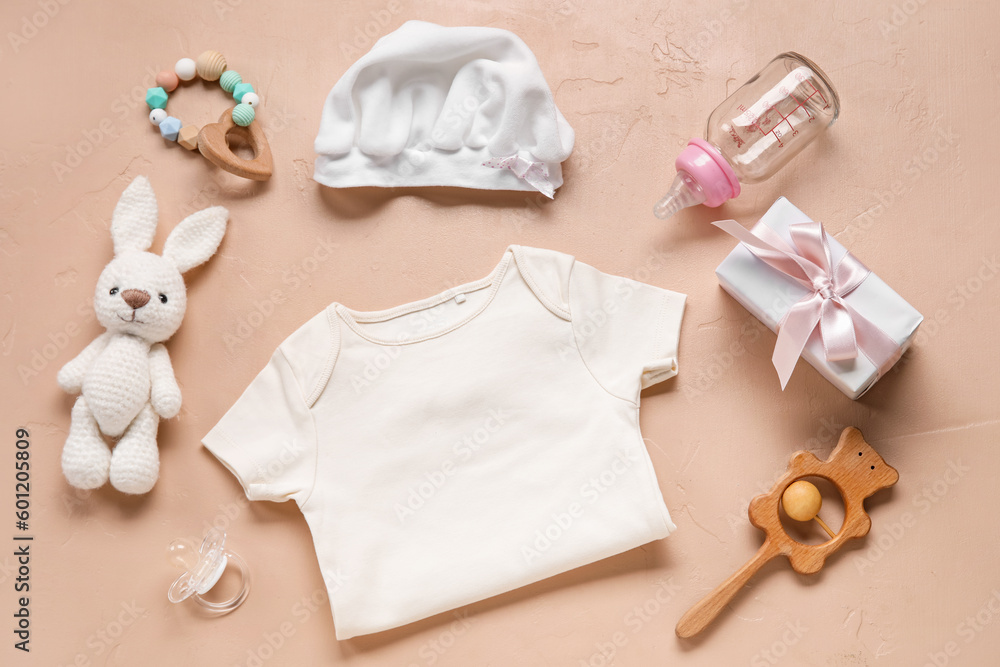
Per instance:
(772,117)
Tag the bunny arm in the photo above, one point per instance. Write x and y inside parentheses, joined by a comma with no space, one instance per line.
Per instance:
(165,394)
(70,376)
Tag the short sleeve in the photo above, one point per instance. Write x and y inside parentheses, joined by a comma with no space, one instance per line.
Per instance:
(627,332)
(267,438)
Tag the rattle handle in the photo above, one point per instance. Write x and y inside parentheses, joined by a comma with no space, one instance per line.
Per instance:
(699,616)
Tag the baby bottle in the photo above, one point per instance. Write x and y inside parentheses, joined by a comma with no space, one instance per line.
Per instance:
(754,133)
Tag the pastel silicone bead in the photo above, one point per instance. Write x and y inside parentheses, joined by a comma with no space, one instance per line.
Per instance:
(229,80)
(156,98)
(211,65)
(250,99)
(243,114)
(169,127)
(157,116)
(167,80)
(240,90)
(188,137)
(185,69)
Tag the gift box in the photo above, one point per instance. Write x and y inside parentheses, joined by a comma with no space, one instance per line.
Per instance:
(821,301)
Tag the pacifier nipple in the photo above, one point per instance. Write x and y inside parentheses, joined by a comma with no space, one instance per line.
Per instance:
(202,567)
(180,555)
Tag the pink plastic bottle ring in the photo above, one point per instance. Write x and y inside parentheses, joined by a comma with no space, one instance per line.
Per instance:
(706,165)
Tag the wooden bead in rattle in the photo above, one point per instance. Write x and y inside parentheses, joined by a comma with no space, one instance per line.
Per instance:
(802,502)
(853,467)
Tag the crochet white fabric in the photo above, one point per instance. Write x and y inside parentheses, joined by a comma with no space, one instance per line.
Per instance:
(124,377)
(431,105)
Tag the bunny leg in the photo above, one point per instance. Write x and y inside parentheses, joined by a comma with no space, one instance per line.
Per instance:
(85,456)
(135,464)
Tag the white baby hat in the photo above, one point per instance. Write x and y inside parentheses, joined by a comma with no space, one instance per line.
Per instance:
(430,105)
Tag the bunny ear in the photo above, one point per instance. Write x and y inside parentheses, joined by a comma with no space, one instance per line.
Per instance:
(133,224)
(196,238)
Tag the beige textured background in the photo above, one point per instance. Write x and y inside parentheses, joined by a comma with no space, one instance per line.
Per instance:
(906,179)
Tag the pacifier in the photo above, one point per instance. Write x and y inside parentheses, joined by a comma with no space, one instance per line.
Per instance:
(202,569)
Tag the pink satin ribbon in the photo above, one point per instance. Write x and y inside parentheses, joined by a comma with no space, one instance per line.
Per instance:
(844,331)
(534,173)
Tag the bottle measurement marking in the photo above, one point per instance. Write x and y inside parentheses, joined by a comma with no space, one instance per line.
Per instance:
(763,119)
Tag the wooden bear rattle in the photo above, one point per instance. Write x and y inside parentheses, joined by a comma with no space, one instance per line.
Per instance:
(853,467)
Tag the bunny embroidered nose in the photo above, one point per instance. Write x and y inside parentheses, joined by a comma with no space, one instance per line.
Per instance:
(135,298)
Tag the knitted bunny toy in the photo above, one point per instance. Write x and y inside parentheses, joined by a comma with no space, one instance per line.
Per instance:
(124,377)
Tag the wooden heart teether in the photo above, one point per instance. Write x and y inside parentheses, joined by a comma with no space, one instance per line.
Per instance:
(213,144)
(853,467)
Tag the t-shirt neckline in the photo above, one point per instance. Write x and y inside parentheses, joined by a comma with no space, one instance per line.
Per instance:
(355,318)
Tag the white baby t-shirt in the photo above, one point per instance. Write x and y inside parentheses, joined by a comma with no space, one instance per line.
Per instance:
(462,446)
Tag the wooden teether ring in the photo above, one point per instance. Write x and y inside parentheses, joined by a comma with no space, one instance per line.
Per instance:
(854,468)
(213,144)
(212,140)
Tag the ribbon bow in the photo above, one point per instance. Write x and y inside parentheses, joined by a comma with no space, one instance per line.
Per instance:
(534,173)
(844,331)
